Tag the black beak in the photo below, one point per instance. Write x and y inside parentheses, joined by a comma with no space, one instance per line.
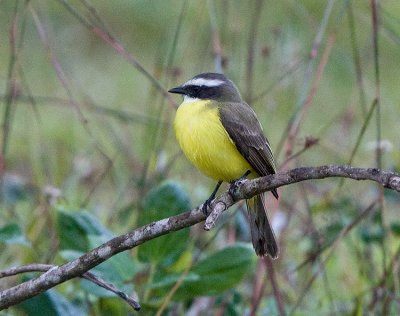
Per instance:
(177,90)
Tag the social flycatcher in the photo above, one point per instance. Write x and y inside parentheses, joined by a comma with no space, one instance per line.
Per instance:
(221,135)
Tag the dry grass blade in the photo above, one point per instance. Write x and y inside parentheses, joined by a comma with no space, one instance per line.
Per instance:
(330,249)
(11,90)
(293,124)
(118,47)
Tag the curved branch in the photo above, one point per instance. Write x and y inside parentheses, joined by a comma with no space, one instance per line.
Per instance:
(245,190)
(40,267)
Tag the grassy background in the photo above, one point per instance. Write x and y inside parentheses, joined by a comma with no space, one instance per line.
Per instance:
(88,143)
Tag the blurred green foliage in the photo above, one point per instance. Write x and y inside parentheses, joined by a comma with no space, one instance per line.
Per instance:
(88,152)
(163,201)
(50,303)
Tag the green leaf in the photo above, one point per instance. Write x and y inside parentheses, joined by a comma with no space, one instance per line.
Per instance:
(395,228)
(75,227)
(12,234)
(373,234)
(50,303)
(166,200)
(171,278)
(212,275)
(184,260)
(221,270)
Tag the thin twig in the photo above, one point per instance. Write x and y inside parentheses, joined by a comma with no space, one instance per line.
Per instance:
(381,283)
(356,58)
(358,142)
(107,37)
(39,267)
(172,292)
(108,286)
(258,288)
(316,242)
(158,133)
(307,77)
(332,246)
(275,287)
(34,267)
(123,116)
(295,127)
(289,72)
(308,143)
(251,49)
(375,28)
(64,81)
(56,65)
(216,41)
(11,88)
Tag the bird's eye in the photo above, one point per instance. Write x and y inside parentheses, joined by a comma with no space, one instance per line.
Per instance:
(195,91)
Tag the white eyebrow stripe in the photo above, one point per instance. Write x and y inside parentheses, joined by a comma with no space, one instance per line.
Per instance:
(204,82)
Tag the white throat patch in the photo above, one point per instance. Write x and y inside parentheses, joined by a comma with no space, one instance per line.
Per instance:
(187,99)
(204,82)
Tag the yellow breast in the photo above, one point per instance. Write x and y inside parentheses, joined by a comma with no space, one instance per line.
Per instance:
(206,143)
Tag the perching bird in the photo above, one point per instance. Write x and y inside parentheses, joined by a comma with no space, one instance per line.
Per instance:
(221,135)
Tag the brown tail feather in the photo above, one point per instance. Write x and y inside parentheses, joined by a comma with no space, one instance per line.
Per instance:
(262,235)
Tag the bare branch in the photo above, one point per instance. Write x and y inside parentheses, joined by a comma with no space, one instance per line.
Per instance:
(34,267)
(245,190)
(39,267)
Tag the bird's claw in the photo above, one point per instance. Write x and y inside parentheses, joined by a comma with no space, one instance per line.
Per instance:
(205,206)
(237,183)
(234,186)
(207,203)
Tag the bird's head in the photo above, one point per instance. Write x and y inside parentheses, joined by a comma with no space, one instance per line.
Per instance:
(208,86)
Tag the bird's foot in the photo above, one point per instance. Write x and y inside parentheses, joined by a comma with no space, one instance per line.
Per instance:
(207,203)
(236,183)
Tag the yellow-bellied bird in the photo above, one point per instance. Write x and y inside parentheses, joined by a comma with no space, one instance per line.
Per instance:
(221,135)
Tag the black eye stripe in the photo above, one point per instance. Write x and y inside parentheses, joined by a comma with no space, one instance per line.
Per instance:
(205,92)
